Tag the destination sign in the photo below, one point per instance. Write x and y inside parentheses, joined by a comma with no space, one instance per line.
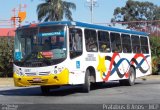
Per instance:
(51,34)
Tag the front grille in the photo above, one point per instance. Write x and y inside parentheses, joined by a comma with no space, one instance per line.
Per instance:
(30,74)
(43,73)
(38,74)
(44,81)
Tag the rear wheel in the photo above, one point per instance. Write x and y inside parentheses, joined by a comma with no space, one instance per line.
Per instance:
(87,84)
(131,80)
(132,77)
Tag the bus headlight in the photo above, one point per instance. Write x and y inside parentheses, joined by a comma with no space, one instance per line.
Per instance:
(20,73)
(55,71)
(58,70)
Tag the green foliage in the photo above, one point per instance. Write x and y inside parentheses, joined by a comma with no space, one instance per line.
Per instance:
(136,11)
(155,64)
(155,46)
(155,50)
(55,10)
(6,56)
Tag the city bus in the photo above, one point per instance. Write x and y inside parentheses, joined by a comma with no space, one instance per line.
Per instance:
(55,54)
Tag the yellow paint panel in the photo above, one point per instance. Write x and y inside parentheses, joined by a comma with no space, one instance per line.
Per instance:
(52,79)
(101,66)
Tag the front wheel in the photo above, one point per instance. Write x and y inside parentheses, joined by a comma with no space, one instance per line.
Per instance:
(87,84)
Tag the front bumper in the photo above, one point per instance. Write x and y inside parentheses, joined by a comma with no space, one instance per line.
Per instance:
(52,79)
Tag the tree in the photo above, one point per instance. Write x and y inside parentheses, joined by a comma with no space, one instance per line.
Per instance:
(55,10)
(155,50)
(6,56)
(136,11)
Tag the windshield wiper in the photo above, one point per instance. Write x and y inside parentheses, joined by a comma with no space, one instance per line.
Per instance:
(34,55)
(29,57)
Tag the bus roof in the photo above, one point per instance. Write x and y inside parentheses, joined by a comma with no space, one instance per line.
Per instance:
(93,26)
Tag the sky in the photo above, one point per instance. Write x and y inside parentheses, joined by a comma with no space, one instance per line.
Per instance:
(102,12)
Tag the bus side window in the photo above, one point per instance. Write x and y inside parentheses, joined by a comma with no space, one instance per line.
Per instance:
(136,44)
(75,42)
(104,41)
(116,42)
(144,44)
(126,43)
(91,40)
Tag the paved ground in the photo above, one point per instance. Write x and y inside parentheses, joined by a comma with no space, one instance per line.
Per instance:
(145,91)
(71,98)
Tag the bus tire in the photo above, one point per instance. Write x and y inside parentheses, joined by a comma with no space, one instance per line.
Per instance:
(45,90)
(87,84)
(132,76)
(131,79)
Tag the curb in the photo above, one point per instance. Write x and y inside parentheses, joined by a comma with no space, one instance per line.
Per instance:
(150,77)
(6,82)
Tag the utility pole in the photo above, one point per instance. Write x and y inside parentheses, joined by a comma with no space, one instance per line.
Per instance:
(91,4)
(91,9)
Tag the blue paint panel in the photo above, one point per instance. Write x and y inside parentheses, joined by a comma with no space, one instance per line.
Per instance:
(78,64)
(93,26)
(18,55)
(55,23)
(110,28)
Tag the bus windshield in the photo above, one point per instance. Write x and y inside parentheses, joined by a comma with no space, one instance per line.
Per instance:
(39,44)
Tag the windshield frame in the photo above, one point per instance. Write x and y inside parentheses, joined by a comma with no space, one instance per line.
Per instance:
(29,59)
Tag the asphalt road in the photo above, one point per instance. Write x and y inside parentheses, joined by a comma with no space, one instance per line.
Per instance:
(143,92)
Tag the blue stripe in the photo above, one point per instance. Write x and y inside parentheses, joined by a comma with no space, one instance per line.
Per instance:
(117,65)
(141,62)
(92,26)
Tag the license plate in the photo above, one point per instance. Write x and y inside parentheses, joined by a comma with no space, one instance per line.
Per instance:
(37,79)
